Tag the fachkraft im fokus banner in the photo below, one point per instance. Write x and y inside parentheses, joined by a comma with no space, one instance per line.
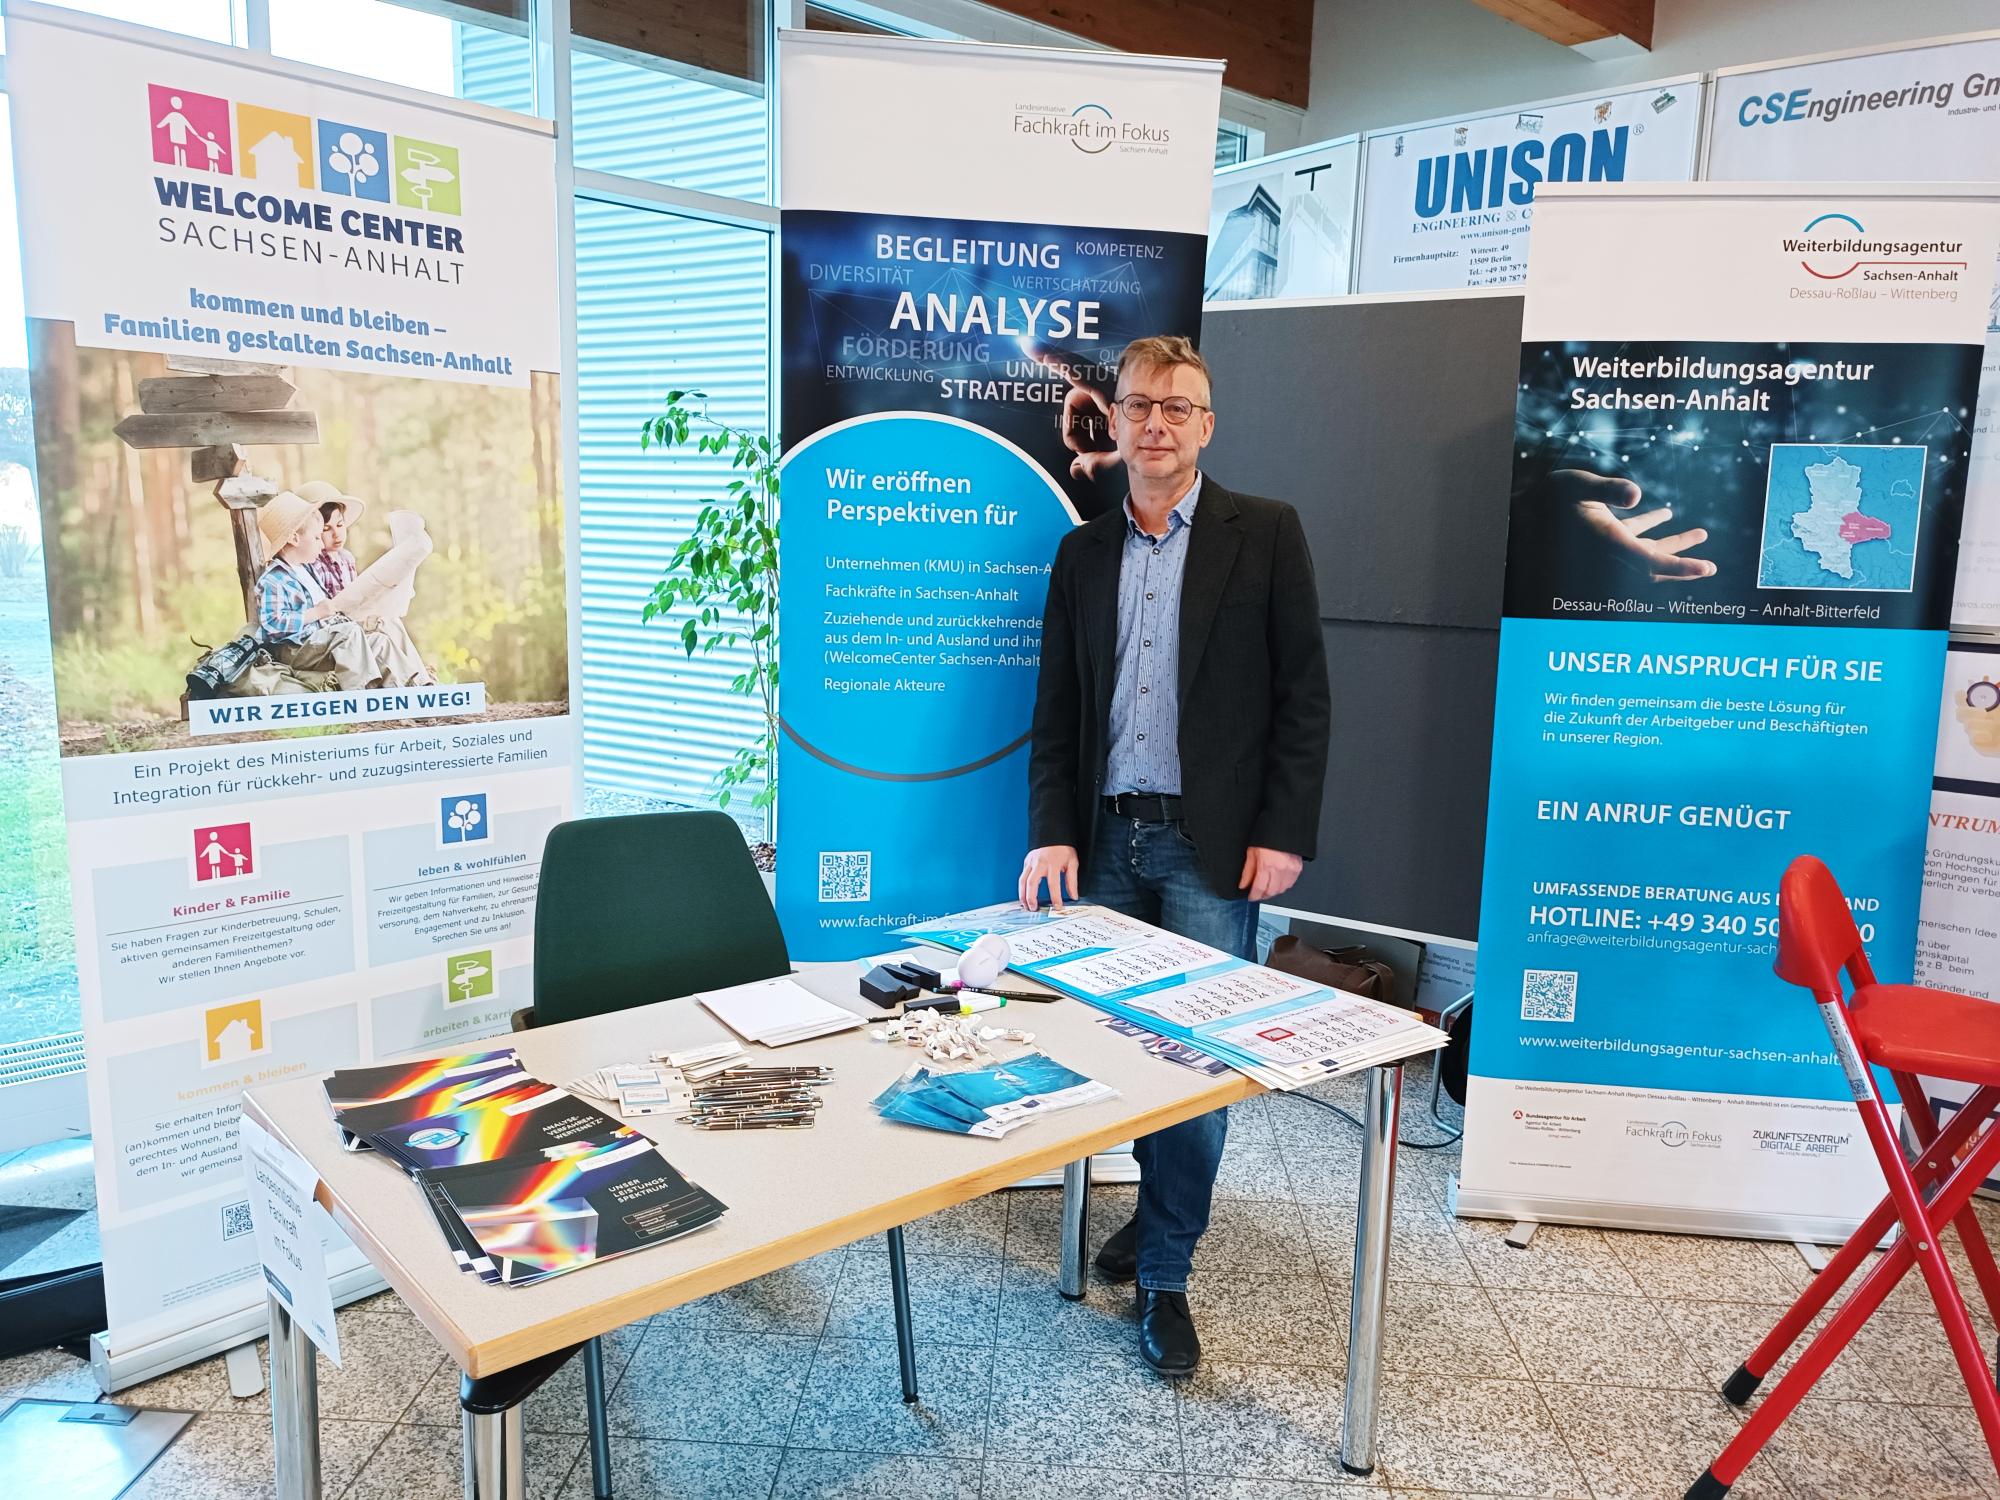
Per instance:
(1729,574)
(290,404)
(970,234)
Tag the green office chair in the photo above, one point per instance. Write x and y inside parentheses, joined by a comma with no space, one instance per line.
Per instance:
(630,911)
(635,910)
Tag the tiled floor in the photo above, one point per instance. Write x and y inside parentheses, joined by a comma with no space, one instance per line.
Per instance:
(55,1175)
(1585,1365)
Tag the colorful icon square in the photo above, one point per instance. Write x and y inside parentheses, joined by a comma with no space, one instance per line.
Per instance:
(223,851)
(426,175)
(468,976)
(189,130)
(277,146)
(353,162)
(233,1033)
(462,820)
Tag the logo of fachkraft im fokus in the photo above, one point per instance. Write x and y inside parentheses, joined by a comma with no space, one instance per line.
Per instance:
(1837,247)
(196,132)
(1091,128)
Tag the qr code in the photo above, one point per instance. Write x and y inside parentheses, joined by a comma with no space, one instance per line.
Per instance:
(1548,995)
(236,1220)
(845,876)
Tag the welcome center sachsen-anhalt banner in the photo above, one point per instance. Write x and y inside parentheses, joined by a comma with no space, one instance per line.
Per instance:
(1729,573)
(971,235)
(319,845)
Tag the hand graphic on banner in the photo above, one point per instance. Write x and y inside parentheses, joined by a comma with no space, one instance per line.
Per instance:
(1086,414)
(1589,506)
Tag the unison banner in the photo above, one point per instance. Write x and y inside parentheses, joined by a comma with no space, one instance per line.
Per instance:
(1283,225)
(1918,114)
(318,844)
(1729,571)
(970,234)
(1446,205)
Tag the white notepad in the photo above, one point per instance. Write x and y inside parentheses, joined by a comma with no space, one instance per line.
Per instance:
(776,1011)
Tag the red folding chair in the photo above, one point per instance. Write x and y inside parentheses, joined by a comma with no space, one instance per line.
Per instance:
(1907,1030)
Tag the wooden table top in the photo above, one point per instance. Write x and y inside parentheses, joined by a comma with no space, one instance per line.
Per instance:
(791,1193)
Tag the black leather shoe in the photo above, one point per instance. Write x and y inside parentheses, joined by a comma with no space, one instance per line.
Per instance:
(1166,1333)
(1119,1259)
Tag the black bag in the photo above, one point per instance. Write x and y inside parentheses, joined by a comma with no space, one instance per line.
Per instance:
(211,676)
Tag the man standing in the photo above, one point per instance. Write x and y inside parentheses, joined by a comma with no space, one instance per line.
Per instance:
(1179,751)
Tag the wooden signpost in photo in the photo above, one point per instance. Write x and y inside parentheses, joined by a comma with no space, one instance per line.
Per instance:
(214,407)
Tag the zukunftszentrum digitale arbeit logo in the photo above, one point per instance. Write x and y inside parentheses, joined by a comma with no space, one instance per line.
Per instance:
(196,132)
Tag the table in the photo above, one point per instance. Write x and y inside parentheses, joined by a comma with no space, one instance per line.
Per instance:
(791,1195)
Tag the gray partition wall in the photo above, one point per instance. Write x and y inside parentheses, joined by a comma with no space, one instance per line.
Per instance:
(1389,424)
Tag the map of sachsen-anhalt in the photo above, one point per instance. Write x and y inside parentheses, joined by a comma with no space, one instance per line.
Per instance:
(1842,516)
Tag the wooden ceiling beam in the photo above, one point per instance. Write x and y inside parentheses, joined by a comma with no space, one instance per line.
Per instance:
(1572,23)
(1268,43)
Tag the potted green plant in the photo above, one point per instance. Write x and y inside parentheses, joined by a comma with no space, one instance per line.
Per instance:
(723,577)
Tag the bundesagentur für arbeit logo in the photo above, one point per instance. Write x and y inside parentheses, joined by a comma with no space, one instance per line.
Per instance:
(204,133)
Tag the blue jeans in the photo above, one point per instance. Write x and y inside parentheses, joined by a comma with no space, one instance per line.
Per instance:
(1151,871)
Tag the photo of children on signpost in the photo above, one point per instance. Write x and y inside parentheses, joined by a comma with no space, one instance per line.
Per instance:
(219,530)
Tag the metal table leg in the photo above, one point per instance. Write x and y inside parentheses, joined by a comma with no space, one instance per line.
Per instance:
(906,1333)
(1373,1213)
(294,1406)
(495,1456)
(1075,1229)
(600,1432)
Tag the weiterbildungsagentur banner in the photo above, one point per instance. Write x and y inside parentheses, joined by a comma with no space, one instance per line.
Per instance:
(1730,555)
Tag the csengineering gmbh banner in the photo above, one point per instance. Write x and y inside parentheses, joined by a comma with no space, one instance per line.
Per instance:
(319,846)
(1728,577)
(1445,206)
(970,235)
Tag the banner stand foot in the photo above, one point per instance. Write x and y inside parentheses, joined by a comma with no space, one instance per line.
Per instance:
(246,1375)
(1521,1233)
(1812,1255)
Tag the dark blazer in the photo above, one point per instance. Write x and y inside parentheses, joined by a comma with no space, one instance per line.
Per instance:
(1253,691)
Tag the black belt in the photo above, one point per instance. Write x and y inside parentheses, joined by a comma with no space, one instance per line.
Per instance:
(1145,807)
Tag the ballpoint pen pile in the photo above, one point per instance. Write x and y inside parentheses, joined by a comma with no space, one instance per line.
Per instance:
(757,1099)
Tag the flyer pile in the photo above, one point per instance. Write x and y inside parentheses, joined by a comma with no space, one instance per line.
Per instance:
(1281,1030)
(526,1180)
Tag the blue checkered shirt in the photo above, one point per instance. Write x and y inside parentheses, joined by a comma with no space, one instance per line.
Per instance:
(1145,752)
(284,594)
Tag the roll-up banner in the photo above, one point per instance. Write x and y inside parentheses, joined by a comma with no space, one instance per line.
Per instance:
(1283,225)
(294,367)
(955,298)
(1958,935)
(1919,114)
(1445,205)
(1730,553)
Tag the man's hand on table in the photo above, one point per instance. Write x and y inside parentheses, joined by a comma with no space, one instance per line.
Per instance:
(1057,865)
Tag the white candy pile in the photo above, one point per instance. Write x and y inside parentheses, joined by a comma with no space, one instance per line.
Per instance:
(944,1038)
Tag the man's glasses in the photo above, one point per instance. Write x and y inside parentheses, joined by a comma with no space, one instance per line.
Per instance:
(1176,409)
